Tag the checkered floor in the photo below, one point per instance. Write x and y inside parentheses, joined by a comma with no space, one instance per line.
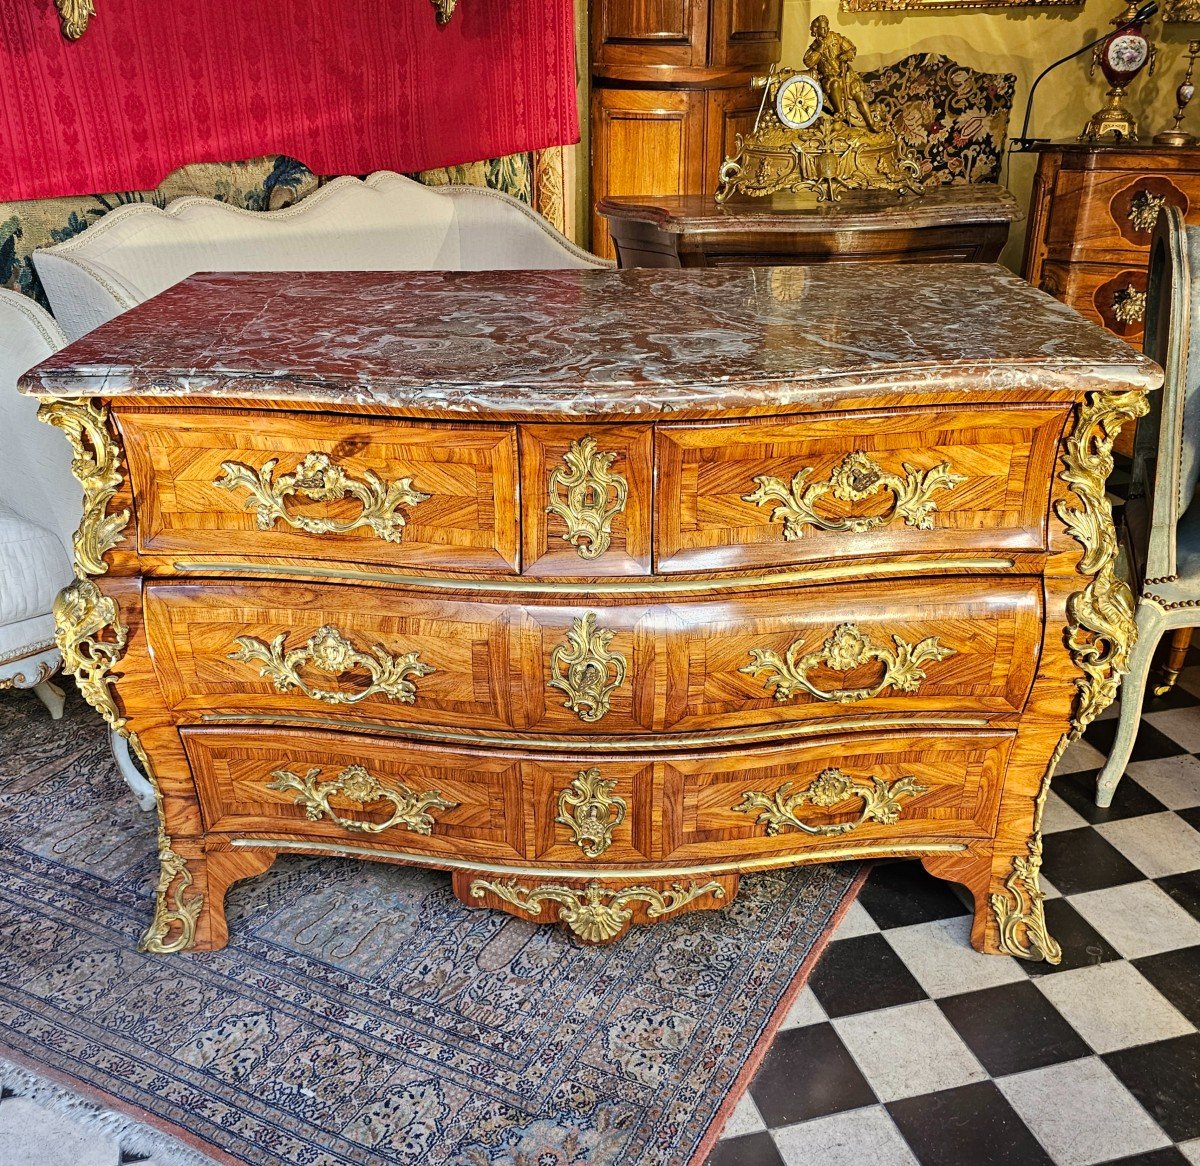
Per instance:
(909,1048)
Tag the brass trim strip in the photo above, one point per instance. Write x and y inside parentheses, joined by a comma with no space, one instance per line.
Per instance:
(826,854)
(656,585)
(649,744)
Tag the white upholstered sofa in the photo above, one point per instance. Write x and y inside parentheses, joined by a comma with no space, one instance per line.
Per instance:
(41,505)
(385,223)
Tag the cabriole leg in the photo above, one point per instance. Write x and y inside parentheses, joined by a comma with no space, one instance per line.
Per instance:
(1150,627)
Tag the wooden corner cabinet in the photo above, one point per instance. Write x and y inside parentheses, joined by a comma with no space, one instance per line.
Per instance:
(598,589)
(671,90)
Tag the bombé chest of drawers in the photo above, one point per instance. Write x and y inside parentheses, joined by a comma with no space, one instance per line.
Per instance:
(598,590)
(1092,214)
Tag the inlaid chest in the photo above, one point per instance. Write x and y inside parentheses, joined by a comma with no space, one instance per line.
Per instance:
(598,589)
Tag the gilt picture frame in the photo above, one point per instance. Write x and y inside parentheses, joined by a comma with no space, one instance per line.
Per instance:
(949,5)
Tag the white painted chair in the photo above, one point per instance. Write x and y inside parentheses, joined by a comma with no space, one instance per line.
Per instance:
(386,223)
(41,504)
(1162,520)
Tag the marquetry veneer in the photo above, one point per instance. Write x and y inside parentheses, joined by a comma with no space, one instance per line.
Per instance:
(594,613)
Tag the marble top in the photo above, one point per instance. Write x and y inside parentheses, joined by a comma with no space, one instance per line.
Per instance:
(698,214)
(593,343)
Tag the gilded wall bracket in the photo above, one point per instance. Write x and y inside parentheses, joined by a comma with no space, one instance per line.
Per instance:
(74,15)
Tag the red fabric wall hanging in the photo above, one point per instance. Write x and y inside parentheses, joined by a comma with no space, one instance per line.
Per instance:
(345,86)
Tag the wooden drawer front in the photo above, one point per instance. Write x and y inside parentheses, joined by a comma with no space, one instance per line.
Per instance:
(1103,216)
(1110,295)
(357,789)
(885,647)
(263,486)
(586,499)
(325,651)
(778,493)
(837,791)
(592,810)
(943,645)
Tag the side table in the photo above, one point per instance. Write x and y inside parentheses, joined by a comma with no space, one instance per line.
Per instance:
(951,224)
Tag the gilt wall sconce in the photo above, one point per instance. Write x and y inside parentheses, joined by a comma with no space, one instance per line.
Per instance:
(75,14)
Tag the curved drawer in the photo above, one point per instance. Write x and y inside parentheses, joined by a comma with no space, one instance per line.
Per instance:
(266,486)
(736,496)
(869,790)
(400,657)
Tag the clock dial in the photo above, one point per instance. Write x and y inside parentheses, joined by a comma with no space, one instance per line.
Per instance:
(798,101)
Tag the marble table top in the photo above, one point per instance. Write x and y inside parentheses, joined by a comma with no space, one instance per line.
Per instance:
(698,214)
(593,343)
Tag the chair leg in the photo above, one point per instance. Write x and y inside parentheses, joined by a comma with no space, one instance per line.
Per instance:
(1133,690)
(143,791)
(1181,640)
(52,697)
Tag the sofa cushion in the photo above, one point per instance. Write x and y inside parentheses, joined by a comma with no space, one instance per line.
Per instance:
(34,568)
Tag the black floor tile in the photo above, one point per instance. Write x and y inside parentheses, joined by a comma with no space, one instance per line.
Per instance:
(899,894)
(808,1072)
(1176,974)
(1167,1156)
(1013,1028)
(1078,790)
(1082,860)
(1184,889)
(748,1150)
(1191,817)
(861,975)
(1165,1078)
(1150,745)
(1082,945)
(971,1124)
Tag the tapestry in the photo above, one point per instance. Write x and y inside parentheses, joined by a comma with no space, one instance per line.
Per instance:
(360,1013)
(348,86)
(953,118)
(261,184)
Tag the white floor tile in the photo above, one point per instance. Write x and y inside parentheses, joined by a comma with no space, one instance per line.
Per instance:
(861,1137)
(806,1009)
(1181,725)
(1059,816)
(908,1050)
(32,1135)
(1080,756)
(745,1119)
(856,921)
(1175,781)
(1157,844)
(1138,919)
(940,956)
(1191,1151)
(1112,1006)
(1081,1113)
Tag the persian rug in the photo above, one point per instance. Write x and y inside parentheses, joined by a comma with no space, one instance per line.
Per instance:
(360,1013)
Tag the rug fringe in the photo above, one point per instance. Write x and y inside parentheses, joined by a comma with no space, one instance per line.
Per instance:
(133,1137)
